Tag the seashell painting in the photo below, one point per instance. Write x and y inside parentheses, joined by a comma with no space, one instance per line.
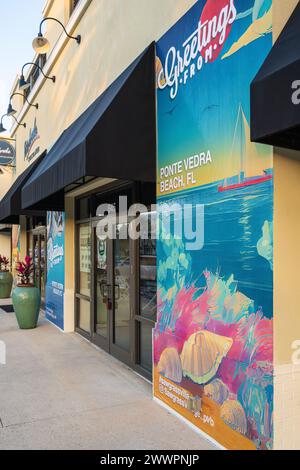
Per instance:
(217,391)
(170,365)
(233,414)
(202,355)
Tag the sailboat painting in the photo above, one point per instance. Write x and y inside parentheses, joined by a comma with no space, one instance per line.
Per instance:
(248,153)
(213,339)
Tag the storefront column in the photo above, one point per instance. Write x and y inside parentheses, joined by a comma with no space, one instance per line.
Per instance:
(69,305)
(286,280)
(5,244)
(286,301)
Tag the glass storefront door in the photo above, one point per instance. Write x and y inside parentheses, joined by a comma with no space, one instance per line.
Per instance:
(83,294)
(102,306)
(116,291)
(101,309)
(111,312)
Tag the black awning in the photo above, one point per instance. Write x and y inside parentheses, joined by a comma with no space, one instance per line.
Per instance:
(115,137)
(10,205)
(275,120)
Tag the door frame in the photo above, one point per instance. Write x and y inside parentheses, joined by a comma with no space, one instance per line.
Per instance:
(78,296)
(101,341)
(133,358)
(37,233)
(108,343)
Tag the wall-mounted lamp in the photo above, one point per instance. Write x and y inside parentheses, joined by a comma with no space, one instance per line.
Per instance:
(7,169)
(41,44)
(24,84)
(11,111)
(2,128)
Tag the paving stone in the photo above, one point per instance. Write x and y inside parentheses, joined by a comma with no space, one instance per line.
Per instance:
(59,392)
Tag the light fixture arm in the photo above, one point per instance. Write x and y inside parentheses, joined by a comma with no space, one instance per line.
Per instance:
(26,99)
(77,38)
(40,68)
(19,123)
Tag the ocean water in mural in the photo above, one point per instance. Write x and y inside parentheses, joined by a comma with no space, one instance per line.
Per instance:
(213,341)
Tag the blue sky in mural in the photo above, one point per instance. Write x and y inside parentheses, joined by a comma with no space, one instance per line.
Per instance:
(204,116)
(219,103)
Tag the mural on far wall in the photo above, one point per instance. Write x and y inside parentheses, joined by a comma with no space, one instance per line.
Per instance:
(213,341)
(55,285)
(15,246)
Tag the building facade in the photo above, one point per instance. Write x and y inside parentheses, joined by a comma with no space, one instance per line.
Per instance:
(92,139)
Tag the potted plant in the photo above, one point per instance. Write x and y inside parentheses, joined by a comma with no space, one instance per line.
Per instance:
(26,297)
(6,278)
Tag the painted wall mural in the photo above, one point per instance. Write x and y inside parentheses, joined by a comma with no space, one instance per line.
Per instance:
(55,286)
(213,341)
(15,246)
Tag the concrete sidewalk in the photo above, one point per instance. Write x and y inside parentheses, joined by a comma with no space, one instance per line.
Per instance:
(58,392)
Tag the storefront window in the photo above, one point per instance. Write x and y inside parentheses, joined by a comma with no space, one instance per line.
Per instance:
(148,274)
(122,292)
(30,244)
(101,317)
(85,260)
(116,278)
(85,315)
(83,208)
(147,292)
(146,346)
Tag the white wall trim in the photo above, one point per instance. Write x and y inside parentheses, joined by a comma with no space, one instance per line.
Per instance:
(94,184)
(47,7)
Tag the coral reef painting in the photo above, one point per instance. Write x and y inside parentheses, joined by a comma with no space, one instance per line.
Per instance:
(217,340)
(213,341)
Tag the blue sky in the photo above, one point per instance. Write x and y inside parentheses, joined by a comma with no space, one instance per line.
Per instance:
(19,25)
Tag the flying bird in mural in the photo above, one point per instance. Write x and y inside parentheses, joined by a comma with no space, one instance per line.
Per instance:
(260,26)
(171,111)
(210,107)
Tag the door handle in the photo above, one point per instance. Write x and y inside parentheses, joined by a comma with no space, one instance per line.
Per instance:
(109,301)
(104,289)
(117,292)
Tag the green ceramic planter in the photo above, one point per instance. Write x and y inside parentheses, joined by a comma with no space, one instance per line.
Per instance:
(26,302)
(6,280)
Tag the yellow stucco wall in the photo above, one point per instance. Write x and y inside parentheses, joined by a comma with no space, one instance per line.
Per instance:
(122,30)
(56,9)
(5,241)
(7,179)
(286,279)
(286,253)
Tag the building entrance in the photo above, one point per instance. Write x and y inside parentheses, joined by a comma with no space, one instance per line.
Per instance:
(116,289)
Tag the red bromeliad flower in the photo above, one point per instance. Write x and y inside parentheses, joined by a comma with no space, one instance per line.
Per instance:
(25,270)
(28,260)
(4,262)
